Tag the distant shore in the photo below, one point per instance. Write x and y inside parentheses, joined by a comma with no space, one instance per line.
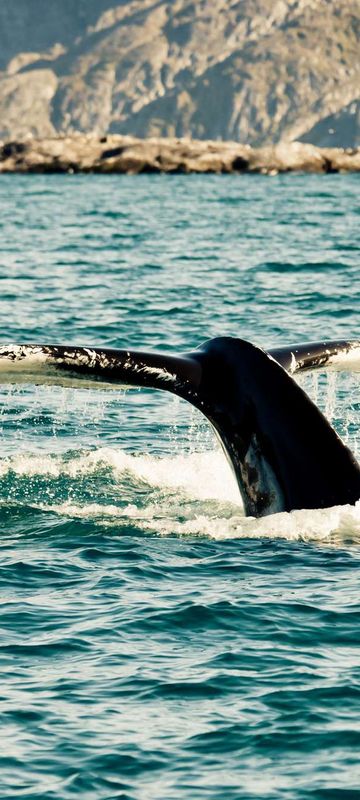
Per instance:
(87,153)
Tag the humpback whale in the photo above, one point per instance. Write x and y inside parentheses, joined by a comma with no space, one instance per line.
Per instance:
(284,453)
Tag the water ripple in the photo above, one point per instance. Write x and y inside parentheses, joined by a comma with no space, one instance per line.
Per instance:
(154,642)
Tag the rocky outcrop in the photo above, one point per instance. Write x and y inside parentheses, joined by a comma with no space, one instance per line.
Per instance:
(127,154)
(255,71)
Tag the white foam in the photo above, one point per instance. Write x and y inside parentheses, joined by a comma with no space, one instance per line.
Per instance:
(202,475)
(189,495)
(331,525)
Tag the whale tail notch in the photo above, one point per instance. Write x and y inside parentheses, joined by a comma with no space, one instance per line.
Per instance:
(284,453)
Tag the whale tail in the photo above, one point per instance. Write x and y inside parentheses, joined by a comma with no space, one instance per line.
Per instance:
(283,451)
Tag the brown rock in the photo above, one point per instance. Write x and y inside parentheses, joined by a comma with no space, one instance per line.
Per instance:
(126,154)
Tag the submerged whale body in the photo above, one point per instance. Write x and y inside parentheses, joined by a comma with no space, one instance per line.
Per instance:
(284,453)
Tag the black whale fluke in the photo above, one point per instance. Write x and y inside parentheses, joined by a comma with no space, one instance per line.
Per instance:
(339,354)
(284,453)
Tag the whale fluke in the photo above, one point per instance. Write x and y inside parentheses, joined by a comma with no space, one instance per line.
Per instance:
(284,453)
(336,355)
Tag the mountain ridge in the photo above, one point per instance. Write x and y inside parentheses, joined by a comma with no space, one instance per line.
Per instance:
(254,71)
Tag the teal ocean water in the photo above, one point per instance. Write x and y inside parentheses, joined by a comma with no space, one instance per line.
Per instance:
(155,644)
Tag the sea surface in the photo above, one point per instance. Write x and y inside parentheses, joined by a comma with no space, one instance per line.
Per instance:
(155,644)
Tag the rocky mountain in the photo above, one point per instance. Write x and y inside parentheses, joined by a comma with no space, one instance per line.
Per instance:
(254,71)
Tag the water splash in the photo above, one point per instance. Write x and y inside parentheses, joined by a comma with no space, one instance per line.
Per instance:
(187,490)
(337,396)
(183,495)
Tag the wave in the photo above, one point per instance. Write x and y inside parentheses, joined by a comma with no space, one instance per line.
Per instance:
(204,475)
(192,494)
(340,524)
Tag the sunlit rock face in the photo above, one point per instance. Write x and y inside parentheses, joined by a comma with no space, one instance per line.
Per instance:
(254,71)
(114,153)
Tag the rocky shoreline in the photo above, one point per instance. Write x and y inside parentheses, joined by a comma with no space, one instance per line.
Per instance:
(86,153)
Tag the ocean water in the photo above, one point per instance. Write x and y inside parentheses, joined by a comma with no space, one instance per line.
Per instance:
(155,644)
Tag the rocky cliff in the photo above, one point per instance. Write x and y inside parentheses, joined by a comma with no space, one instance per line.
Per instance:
(254,71)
